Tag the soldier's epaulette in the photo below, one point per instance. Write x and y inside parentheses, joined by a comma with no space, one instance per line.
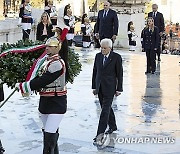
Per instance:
(22,5)
(66,17)
(46,8)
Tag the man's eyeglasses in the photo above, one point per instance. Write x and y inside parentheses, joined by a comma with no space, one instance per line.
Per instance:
(105,5)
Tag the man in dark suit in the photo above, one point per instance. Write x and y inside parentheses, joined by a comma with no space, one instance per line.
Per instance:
(158,22)
(107,23)
(106,82)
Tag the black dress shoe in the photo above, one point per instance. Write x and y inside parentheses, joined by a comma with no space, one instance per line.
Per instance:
(95,142)
(147,72)
(159,59)
(152,72)
(110,130)
(1,150)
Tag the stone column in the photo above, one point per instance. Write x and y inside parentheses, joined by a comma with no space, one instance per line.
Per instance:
(1,9)
(127,13)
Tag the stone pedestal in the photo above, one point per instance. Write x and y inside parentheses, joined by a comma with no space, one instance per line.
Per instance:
(127,13)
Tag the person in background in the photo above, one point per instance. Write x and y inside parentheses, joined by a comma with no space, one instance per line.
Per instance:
(51,10)
(150,45)
(132,38)
(63,53)
(69,20)
(107,23)
(44,28)
(142,33)
(87,31)
(158,22)
(96,41)
(25,18)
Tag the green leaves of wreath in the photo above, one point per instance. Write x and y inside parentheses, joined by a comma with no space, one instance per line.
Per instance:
(15,66)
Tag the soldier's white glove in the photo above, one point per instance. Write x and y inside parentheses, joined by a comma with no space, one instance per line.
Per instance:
(19,22)
(17,86)
(24,94)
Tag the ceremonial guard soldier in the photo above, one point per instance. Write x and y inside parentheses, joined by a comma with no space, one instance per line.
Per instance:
(25,18)
(69,20)
(132,38)
(52,89)
(87,32)
(51,10)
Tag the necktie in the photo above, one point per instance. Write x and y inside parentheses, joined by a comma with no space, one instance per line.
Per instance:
(105,59)
(154,14)
(105,13)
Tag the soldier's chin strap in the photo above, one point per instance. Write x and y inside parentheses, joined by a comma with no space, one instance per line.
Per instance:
(51,54)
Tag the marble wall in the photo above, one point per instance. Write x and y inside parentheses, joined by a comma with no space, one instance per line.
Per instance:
(126,14)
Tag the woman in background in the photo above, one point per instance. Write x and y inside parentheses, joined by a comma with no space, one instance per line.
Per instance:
(150,44)
(44,28)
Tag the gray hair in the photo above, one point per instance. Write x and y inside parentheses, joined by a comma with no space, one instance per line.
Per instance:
(155,5)
(107,41)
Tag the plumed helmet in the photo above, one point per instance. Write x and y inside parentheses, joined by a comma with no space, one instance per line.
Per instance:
(53,42)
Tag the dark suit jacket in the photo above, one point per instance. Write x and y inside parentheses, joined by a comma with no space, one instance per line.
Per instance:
(109,76)
(107,26)
(150,39)
(158,20)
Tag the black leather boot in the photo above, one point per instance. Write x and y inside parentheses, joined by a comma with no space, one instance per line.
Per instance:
(50,141)
(56,149)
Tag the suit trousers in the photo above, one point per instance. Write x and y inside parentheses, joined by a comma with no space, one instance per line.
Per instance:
(107,116)
(158,52)
(151,62)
